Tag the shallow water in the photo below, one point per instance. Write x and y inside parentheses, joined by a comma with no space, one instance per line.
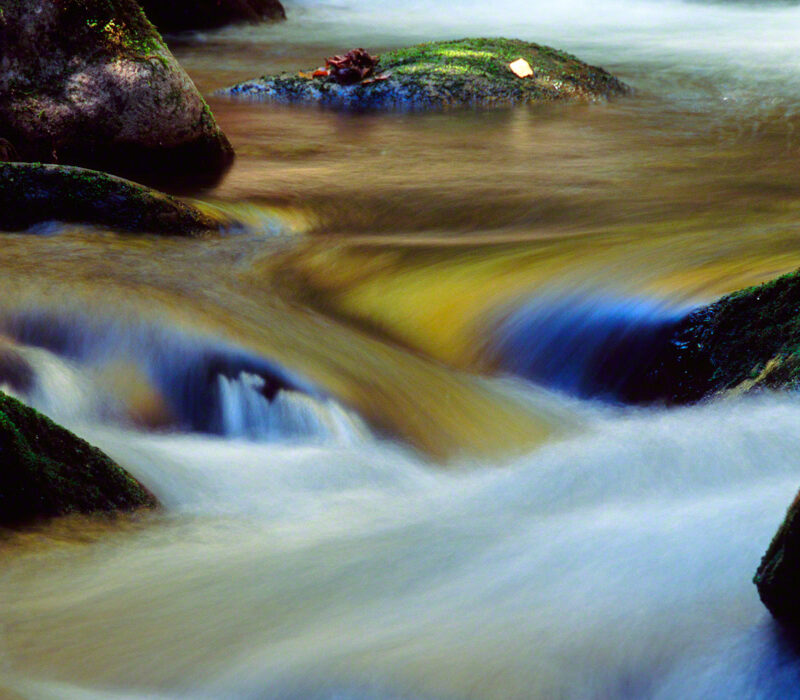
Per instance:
(358,503)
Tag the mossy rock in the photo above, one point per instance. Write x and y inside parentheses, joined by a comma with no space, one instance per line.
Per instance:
(745,341)
(46,471)
(91,83)
(778,576)
(178,15)
(31,193)
(465,72)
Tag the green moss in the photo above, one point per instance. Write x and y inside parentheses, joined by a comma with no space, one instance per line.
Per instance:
(751,327)
(47,471)
(485,57)
(114,24)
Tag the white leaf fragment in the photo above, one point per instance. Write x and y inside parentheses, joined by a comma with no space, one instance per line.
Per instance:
(521,68)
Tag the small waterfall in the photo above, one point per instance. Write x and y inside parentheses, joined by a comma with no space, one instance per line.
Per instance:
(82,371)
(589,346)
(247,413)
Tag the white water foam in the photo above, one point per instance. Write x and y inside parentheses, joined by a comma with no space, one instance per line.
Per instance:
(614,564)
(200,380)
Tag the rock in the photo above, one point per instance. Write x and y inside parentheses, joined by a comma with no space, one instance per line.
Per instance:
(177,15)
(778,576)
(31,193)
(746,341)
(91,83)
(473,72)
(48,471)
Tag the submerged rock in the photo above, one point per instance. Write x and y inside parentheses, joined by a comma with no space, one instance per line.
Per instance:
(778,576)
(91,83)
(472,72)
(47,471)
(177,15)
(31,193)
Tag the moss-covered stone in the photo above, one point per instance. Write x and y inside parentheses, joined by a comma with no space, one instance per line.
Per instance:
(31,193)
(745,341)
(47,471)
(444,74)
(177,15)
(91,83)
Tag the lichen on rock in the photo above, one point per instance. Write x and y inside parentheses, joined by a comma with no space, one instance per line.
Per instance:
(31,193)
(91,83)
(46,471)
(464,72)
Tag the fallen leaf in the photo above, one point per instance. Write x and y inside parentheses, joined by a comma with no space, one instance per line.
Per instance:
(377,78)
(307,76)
(352,67)
(521,68)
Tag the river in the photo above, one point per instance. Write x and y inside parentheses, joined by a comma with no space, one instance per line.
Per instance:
(381,420)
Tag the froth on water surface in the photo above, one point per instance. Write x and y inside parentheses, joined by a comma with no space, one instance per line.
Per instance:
(611,564)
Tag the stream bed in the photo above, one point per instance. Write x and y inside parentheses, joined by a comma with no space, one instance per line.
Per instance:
(390,461)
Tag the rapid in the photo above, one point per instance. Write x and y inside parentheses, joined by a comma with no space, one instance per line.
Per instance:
(387,421)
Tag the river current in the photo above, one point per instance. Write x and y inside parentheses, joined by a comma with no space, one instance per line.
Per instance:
(384,421)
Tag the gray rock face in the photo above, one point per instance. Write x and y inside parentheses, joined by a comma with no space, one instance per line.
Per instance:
(91,83)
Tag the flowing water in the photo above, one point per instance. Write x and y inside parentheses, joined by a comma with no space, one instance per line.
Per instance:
(385,422)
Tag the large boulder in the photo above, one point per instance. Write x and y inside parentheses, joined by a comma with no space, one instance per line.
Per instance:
(91,83)
(466,72)
(47,471)
(177,15)
(32,193)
